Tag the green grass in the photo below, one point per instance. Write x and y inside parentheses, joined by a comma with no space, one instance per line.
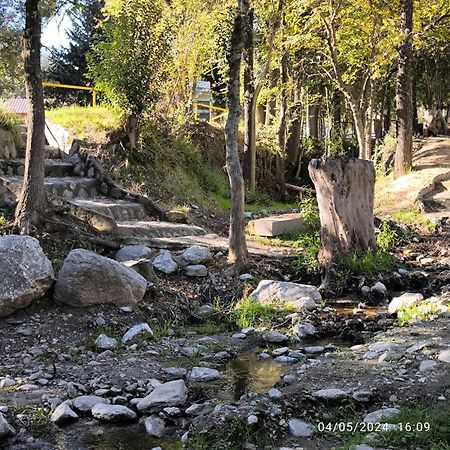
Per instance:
(86,122)
(413,217)
(4,225)
(424,310)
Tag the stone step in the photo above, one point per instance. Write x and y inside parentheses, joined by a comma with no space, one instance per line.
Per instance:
(52,152)
(130,231)
(120,210)
(276,225)
(67,187)
(53,167)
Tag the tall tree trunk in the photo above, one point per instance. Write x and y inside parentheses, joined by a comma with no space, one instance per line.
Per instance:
(282,127)
(345,195)
(314,121)
(238,254)
(403,153)
(271,102)
(368,123)
(32,201)
(249,106)
(295,129)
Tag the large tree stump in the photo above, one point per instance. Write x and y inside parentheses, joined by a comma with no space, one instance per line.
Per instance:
(345,195)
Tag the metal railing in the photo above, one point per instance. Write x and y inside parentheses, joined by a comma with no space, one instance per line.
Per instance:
(70,86)
(223,111)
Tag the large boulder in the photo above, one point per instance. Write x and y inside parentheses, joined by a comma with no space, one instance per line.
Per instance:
(283,293)
(25,273)
(7,145)
(405,300)
(87,278)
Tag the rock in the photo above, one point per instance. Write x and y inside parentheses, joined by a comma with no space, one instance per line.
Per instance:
(87,278)
(379,288)
(330,394)
(25,273)
(195,409)
(252,419)
(200,374)
(154,426)
(362,447)
(134,253)
(143,267)
(7,145)
(205,311)
(283,293)
(197,254)
(7,382)
(362,396)
(427,365)
(172,393)
(314,350)
(248,330)
(280,351)
(165,263)
(28,387)
(112,413)
(177,217)
(239,336)
(5,428)
(385,413)
(275,337)
(274,394)
(174,373)
(382,347)
(304,330)
(64,414)
(245,277)
(197,270)
(444,356)
(140,331)
(85,403)
(104,342)
(286,359)
(300,428)
(407,299)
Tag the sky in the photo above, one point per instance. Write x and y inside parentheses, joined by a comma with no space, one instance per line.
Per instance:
(53,34)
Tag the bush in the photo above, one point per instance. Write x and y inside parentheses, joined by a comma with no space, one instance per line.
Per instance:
(11,122)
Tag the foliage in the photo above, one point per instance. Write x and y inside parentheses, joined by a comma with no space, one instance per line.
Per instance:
(128,64)
(413,217)
(422,311)
(11,122)
(86,122)
(4,225)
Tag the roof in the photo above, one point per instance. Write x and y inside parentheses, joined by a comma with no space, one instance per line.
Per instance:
(16,105)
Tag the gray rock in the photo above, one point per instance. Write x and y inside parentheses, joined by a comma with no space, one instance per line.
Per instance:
(205,311)
(143,267)
(172,393)
(87,278)
(444,356)
(201,374)
(330,394)
(245,277)
(7,382)
(140,331)
(283,293)
(195,409)
(154,426)
(64,414)
(239,336)
(382,347)
(286,359)
(197,270)
(105,342)
(112,413)
(197,254)
(362,447)
(174,373)
(280,351)
(274,394)
(7,145)
(379,288)
(427,365)
(252,419)
(25,273)
(85,403)
(165,263)
(28,387)
(134,253)
(377,416)
(362,396)
(304,330)
(275,337)
(300,428)
(315,349)
(407,299)
(6,429)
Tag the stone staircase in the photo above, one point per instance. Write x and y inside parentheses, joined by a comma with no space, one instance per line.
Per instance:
(91,193)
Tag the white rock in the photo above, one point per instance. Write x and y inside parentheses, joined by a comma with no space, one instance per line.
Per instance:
(197,270)
(112,413)
(105,342)
(283,293)
(172,393)
(444,356)
(194,409)
(252,419)
(330,394)
(165,263)
(134,253)
(7,382)
(300,428)
(197,254)
(274,394)
(427,365)
(407,299)
(304,330)
(154,426)
(245,277)
(85,403)
(63,414)
(5,428)
(280,351)
(201,374)
(141,331)
(385,413)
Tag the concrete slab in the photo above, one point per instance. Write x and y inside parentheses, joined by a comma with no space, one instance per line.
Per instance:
(117,209)
(275,225)
(137,230)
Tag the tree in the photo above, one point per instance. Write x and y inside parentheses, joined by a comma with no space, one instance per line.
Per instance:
(403,95)
(32,201)
(128,63)
(238,254)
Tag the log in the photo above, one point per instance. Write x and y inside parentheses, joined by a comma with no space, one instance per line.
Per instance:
(345,195)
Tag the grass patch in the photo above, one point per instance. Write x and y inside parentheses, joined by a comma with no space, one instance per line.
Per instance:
(422,311)
(86,122)
(412,217)
(4,225)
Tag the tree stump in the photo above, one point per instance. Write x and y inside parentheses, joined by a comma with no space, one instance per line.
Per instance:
(345,195)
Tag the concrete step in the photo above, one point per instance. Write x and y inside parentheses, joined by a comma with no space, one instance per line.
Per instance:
(120,210)
(67,187)
(53,167)
(50,152)
(137,231)
(276,225)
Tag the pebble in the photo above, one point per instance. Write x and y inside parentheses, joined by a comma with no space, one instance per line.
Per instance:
(330,394)
(274,394)
(314,349)
(112,413)
(64,414)
(239,336)
(252,419)
(142,331)
(201,374)
(105,342)
(300,428)
(427,365)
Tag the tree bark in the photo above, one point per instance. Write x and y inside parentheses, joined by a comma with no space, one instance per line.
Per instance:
(238,254)
(282,127)
(295,129)
(403,153)
(345,195)
(32,201)
(271,102)
(132,130)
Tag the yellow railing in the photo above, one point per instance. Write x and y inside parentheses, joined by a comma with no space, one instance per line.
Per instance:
(70,86)
(224,111)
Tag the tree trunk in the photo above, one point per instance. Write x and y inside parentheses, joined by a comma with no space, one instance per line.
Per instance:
(238,254)
(132,130)
(314,121)
(249,106)
(295,129)
(403,153)
(271,102)
(345,195)
(282,128)
(32,201)
(360,128)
